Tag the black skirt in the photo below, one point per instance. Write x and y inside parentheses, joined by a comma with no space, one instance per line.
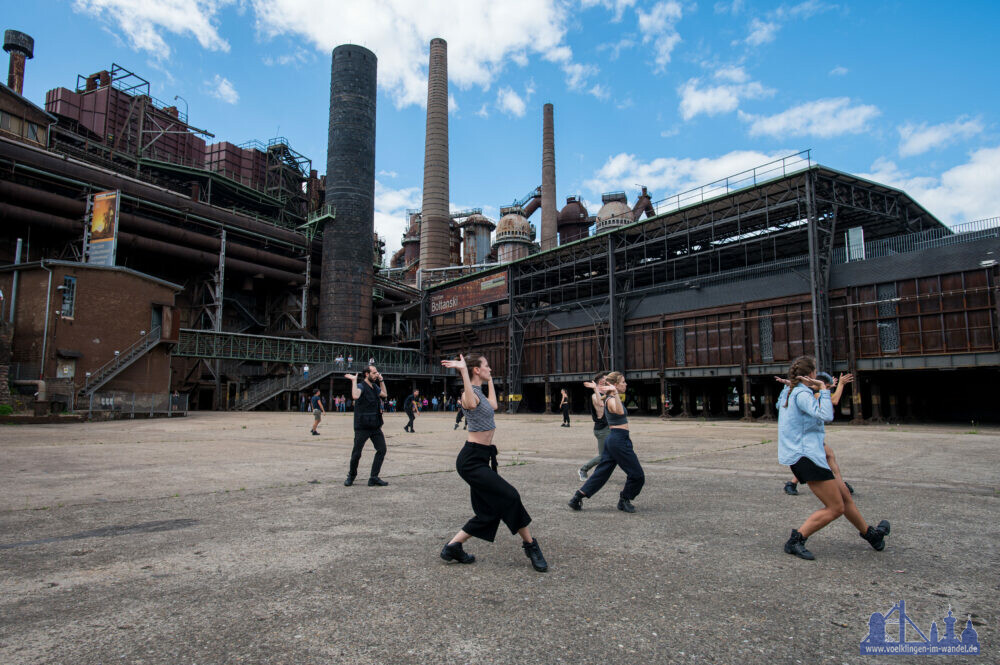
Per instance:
(806,470)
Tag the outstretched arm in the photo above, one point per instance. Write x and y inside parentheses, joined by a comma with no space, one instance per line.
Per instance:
(843,381)
(469,399)
(492,399)
(355,391)
(614,402)
(596,399)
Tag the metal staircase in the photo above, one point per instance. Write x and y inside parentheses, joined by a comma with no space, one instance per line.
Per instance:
(121,361)
(261,391)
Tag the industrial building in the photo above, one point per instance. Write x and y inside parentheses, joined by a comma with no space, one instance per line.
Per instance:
(230,267)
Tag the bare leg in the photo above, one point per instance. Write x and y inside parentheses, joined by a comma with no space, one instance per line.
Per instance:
(460,537)
(828,492)
(524,533)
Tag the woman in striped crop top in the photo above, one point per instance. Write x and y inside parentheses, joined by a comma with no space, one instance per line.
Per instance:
(617,451)
(493,498)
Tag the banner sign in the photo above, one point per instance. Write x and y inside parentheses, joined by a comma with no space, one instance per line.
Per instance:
(102,229)
(490,288)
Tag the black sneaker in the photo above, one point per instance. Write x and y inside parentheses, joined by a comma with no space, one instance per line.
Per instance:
(534,552)
(849,488)
(349,480)
(315,433)
(576,503)
(797,545)
(626,506)
(456,425)
(876,535)
(376,481)
(454,552)
(790,488)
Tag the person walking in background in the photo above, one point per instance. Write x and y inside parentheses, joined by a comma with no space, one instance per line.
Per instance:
(493,498)
(601,428)
(367,397)
(618,451)
(411,408)
(305,372)
(801,430)
(434,403)
(564,407)
(316,404)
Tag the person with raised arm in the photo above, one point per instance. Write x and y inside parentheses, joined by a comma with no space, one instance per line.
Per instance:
(367,397)
(791,486)
(493,498)
(801,430)
(618,451)
(601,428)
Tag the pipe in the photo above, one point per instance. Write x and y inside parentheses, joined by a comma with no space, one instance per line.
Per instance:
(75,208)
(8,211)
(43,393)
(45,332)
(14,282)
(24,157)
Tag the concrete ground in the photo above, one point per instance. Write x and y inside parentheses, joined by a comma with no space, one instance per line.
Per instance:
(230,538)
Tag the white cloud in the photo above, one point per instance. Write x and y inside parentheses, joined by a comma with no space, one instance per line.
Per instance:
(221,88)
(697,99)
(510,102)
(733,7)
(823,118)
(669,175)
(483,35)
(390,213)
(452,104)
(388,174)
(762,32)
(577,75)
(482,112)
(617,6)
(918,139)
(142,21)
(838,71)
(659,27)
(599,91)
(963,193)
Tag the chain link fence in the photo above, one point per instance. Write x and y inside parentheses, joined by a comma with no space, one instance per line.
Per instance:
(124,404)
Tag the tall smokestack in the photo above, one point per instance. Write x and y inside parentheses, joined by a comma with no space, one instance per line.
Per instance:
(345,312)
(550,215)
(435,236)
(21,47)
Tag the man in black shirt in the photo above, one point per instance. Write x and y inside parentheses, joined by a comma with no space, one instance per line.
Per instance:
(410,408)
(367,396)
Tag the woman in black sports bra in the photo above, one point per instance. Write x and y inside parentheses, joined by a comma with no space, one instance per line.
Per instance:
(617,452)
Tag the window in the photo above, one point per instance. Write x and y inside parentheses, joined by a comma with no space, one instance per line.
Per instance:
(32,133)
(4,121)
(68,289)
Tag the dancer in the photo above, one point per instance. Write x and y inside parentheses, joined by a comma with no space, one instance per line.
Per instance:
(410,407)
(800,445)
(791,485)
(316,403)
(601,428)
(617,451)
(367,397)
(493,498)
(564,406)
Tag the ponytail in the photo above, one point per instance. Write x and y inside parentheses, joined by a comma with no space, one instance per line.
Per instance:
(803,366)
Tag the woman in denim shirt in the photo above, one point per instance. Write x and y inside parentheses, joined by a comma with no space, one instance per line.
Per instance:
(801,430)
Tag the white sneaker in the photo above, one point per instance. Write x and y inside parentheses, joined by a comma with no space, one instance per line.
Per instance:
(582,474)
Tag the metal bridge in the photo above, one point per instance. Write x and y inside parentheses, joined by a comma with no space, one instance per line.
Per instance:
(391,361)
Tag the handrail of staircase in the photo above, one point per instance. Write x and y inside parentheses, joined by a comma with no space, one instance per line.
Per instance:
(150,339)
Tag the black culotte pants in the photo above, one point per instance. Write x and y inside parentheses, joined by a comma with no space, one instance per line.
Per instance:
(493,498)
(617,452)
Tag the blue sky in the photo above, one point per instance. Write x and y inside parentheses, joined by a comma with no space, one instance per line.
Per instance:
(666,94)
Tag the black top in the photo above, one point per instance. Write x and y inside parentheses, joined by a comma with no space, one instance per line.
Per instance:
(408,404)
(368,407)
(315,401)
(599,423)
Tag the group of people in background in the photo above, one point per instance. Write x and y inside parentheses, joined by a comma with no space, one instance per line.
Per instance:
(804,406)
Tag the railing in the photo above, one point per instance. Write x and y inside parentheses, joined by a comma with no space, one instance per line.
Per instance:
(262,391)
(123,359)
(294,351)
(122,403)
(914,242)
(779,168)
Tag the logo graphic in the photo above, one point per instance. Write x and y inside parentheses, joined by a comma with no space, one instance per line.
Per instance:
(879,643)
